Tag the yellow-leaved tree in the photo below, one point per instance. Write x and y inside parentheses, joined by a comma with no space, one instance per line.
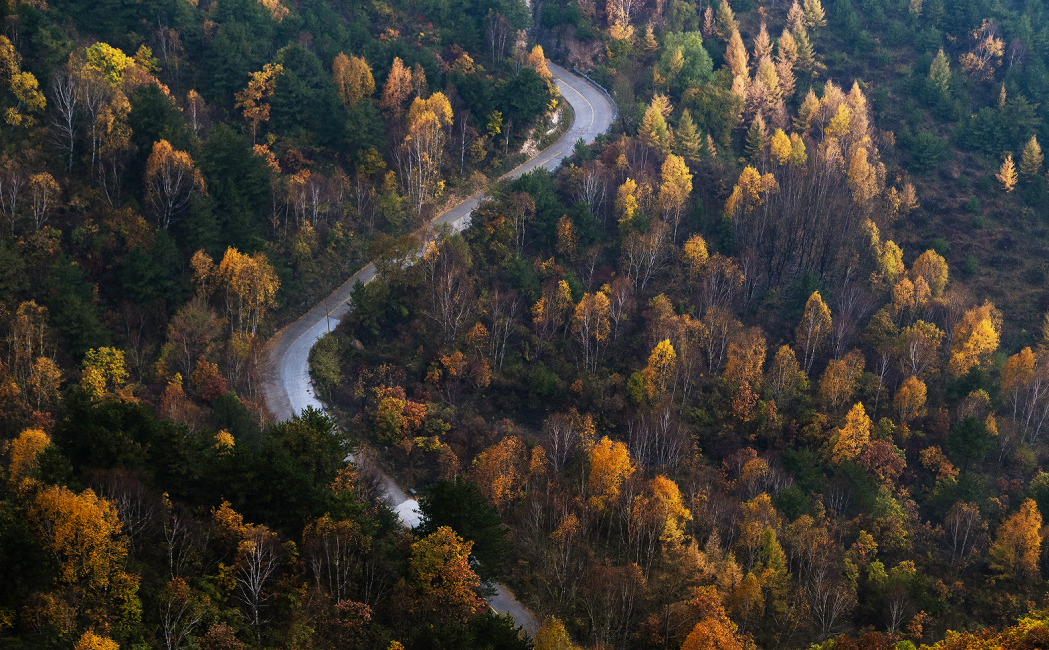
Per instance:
(626,202)
(854,436)
(353,79)
(975,338)
(813,331)
(659,372)
(552,635)
(1031,159)
(909,401)
(247,285)
(83,535)
(91,641)
(24,454)
(423,147)
(444,583)
(1007,173)
(1018,543)
(397,89)
(610,466)
(253,101)
(104,372)
(674,190)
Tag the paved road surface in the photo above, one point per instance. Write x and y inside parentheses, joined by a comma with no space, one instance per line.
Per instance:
(289,390)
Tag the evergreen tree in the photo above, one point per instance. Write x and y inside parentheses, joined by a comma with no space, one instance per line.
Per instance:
(1031,160)
(687,140)
(757,136)
(940,74)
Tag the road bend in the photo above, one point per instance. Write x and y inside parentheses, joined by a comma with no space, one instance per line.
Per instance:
(288,390)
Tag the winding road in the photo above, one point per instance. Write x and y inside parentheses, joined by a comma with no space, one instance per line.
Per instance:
(288,390)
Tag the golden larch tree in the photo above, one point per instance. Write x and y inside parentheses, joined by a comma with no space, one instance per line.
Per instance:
(854,436)
(737,60)
(397,89)
(1007,174)
(726,21)
(814,15)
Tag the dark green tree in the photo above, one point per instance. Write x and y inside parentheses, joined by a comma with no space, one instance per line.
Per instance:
(461,506)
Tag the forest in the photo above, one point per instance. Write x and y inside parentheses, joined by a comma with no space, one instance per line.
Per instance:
(766,365)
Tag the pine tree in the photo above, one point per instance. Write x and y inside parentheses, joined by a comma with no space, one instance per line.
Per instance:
(726,21)
(757,136)
(814,16)
(687,140)
(806,58)
(1031,160)
(940,73)
(653,129)
(1007,174)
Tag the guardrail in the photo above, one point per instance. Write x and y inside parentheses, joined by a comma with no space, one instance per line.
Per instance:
(601,88)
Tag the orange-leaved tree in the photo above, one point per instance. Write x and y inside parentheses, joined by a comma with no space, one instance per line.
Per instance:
(444,584)
(1018,543)
(610,466)
(353,79)
(253,101)
(24,455)
(172,180)
(83,534)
